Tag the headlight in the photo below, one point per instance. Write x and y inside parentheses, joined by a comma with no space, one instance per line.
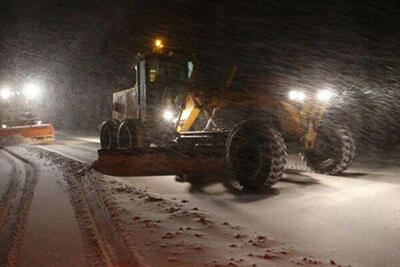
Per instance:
(324,95)
(168,115)
(297,95)
(5,93)
(3,126)
(31,91)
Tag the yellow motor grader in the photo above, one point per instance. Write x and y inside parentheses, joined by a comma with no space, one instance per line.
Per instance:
(154,128)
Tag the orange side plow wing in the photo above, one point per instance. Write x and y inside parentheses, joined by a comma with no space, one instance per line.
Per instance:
(39,134)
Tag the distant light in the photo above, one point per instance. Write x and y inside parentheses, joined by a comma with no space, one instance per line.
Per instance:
(158,43)
(168,115)
(324,95)
(297,95)
(3,126)
(31,90)
(5,93)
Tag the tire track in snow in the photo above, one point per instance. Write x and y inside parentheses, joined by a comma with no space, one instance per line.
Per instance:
(107,243)
(15,205)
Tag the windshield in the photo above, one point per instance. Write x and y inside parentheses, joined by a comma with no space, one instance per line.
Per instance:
(168,72)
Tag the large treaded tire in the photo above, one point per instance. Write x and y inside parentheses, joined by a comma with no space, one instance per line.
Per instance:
(130,134)
(336,155)
(256,155)
(108,134)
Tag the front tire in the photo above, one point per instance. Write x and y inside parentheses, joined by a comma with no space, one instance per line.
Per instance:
(256,155)
(333,153)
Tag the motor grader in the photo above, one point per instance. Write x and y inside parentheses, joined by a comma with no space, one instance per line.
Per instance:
(154,128)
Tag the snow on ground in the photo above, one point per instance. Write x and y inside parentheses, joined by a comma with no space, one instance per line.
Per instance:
(13,140)
(174,232)
(178,231)
(5,172)
(351,218)
(38,225)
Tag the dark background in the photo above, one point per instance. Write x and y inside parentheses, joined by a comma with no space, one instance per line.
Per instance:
(82,51)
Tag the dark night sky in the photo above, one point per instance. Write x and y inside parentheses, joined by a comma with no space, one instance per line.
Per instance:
(83,50)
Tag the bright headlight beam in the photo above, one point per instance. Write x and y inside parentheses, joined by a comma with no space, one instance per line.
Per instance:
(31,90)
(168,115)
(5,93)
(324,95)
(297,95)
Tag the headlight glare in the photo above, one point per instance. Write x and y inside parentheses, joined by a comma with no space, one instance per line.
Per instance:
(324,95)
(297,95)
(168,115)
(5,93)
(31,91)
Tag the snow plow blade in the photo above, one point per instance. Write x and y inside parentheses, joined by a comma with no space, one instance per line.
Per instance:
(160,161)
(37,134)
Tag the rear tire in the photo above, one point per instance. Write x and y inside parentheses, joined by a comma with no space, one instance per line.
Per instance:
(130,135)
(108,134)
(256,155)
(333,153)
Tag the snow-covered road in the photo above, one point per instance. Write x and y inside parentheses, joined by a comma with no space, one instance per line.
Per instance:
(354,218)
(33,231)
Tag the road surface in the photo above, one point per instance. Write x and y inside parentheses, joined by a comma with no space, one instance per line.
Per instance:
(354,218)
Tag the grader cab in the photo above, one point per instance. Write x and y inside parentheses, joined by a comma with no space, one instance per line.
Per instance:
(152,128)
(154,101)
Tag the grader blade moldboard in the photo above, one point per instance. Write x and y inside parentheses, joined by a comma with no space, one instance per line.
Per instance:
(38,134)
(160,161)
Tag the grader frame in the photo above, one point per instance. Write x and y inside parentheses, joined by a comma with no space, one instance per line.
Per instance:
(251,153)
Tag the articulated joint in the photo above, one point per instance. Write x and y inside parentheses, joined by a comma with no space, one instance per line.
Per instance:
(309,138)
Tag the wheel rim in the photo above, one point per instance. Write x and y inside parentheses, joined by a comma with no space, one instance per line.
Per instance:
(249,159)
(326,153)
(327,163)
